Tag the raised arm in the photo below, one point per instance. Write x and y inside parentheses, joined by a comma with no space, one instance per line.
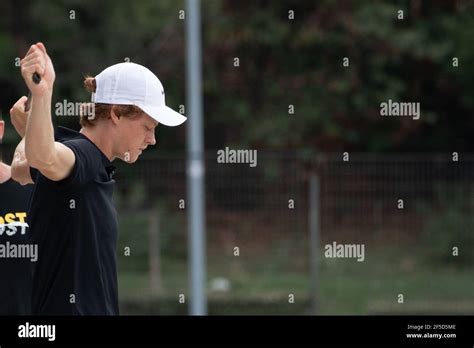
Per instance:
(53,159)
(20,168)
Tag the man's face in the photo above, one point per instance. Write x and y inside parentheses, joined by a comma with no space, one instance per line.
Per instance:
(136,134)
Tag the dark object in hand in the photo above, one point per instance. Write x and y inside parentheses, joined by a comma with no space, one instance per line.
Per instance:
(36,78)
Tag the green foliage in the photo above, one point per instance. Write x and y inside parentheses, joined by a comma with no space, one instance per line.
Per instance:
(300,62)
(282,62)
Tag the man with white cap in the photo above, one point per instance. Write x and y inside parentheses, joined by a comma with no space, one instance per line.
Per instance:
(72,215)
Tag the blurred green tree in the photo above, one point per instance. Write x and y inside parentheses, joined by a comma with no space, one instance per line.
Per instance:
(290,56)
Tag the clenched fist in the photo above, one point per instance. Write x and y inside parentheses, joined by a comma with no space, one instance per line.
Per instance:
(19,116)
(38,61)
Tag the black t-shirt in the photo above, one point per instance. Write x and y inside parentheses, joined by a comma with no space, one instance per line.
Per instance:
(74,223)
(16,254)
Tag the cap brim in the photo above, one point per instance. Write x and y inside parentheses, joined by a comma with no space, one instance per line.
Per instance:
(165,115)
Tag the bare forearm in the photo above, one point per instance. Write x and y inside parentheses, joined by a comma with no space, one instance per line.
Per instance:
(20,167)
(39,138)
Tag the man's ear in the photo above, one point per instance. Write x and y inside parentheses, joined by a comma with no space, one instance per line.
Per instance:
(113,115)
(2,129)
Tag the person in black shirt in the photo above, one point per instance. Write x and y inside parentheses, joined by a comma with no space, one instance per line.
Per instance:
(72,215)
(16,255)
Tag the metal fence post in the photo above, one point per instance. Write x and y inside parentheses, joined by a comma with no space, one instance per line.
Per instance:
(195,171)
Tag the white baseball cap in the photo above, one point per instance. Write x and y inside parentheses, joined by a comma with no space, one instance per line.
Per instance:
(133,84)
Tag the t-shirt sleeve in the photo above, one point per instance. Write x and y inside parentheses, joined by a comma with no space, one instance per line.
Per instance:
(86,167)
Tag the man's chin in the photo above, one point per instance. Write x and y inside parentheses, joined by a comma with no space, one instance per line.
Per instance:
(130,160)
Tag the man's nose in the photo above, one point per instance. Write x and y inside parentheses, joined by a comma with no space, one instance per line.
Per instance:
(151,139)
